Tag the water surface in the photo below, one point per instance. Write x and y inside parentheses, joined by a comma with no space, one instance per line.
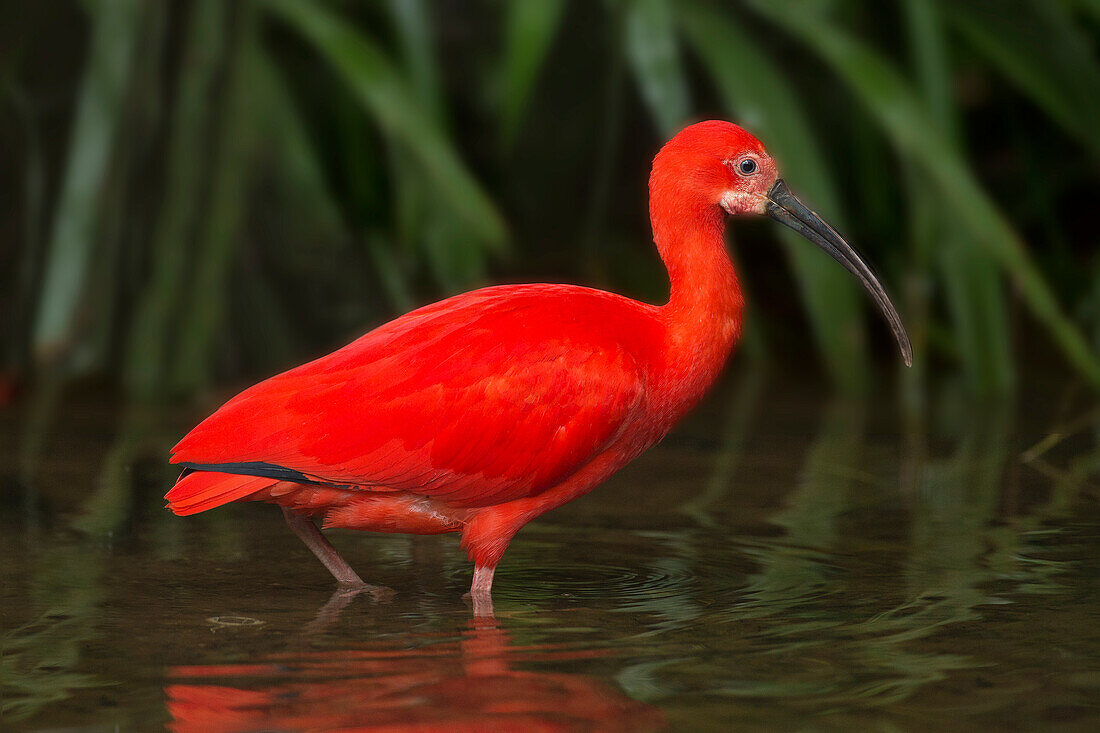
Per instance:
(777,562)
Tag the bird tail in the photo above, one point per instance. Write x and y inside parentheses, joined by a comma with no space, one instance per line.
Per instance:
(197,491)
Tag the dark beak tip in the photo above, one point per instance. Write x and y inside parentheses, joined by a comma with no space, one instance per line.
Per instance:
(904,345)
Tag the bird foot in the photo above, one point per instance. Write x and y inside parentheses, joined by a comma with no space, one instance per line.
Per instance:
(342,597)
(379,593)
(351,589)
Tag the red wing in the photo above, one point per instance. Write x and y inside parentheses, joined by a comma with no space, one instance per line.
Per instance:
(470,401)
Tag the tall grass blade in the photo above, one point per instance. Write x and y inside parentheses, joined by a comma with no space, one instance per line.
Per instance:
(389,99)
(529,30)
(297,156)
(977,301)
(754,92)
(435,233)
(318,230)
(71,247)
(919,287)
(19,319)
(905,120)
(1039,48)
(389,272)
(125,221)
(220,230)
(653,52)
(412,22)
(147,356)
(974,289)
(1090,7)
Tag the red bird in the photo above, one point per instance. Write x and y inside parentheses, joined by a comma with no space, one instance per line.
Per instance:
(483,411)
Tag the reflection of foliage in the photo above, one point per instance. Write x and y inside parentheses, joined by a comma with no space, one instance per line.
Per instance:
(39,660)
(305,151)
(824,621)
(801,578)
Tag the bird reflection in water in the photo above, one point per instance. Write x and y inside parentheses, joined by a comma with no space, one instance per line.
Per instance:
(467,684)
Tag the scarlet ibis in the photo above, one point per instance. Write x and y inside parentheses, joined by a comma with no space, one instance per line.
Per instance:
(483,411)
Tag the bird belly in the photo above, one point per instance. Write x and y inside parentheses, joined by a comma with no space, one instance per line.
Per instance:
(362,509)
(396,512)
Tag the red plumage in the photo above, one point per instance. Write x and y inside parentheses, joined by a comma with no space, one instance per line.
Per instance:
(439,417)
(483,398)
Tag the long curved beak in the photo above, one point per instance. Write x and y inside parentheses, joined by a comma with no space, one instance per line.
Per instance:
(786,209)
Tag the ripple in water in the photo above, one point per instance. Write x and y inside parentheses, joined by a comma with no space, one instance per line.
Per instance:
(593,582)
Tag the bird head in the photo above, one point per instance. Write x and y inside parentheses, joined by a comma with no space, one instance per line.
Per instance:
(719,167)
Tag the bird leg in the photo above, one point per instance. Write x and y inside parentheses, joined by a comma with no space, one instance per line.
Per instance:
(481,591)
(323,549)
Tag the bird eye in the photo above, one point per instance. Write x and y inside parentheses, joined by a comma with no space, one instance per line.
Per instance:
(747,167)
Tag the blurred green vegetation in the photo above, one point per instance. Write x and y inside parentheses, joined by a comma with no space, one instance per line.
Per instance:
(203,191)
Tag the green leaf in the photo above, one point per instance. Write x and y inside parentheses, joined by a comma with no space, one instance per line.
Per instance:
(755,93)
(437,233)
(1039,48)
(1091,7)
(653,51)
(147,357)
(529,29)
(974,287)
(414,30)
(390,274)
(906,121)
(221,227)
(71,247)
(297,157)
(980,313)
(388,97)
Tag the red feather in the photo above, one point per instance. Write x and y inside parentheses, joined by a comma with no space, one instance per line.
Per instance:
(201,490)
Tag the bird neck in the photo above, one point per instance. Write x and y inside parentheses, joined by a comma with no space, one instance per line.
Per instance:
(702,318)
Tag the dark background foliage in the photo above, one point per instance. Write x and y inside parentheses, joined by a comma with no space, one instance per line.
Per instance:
(196,193)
